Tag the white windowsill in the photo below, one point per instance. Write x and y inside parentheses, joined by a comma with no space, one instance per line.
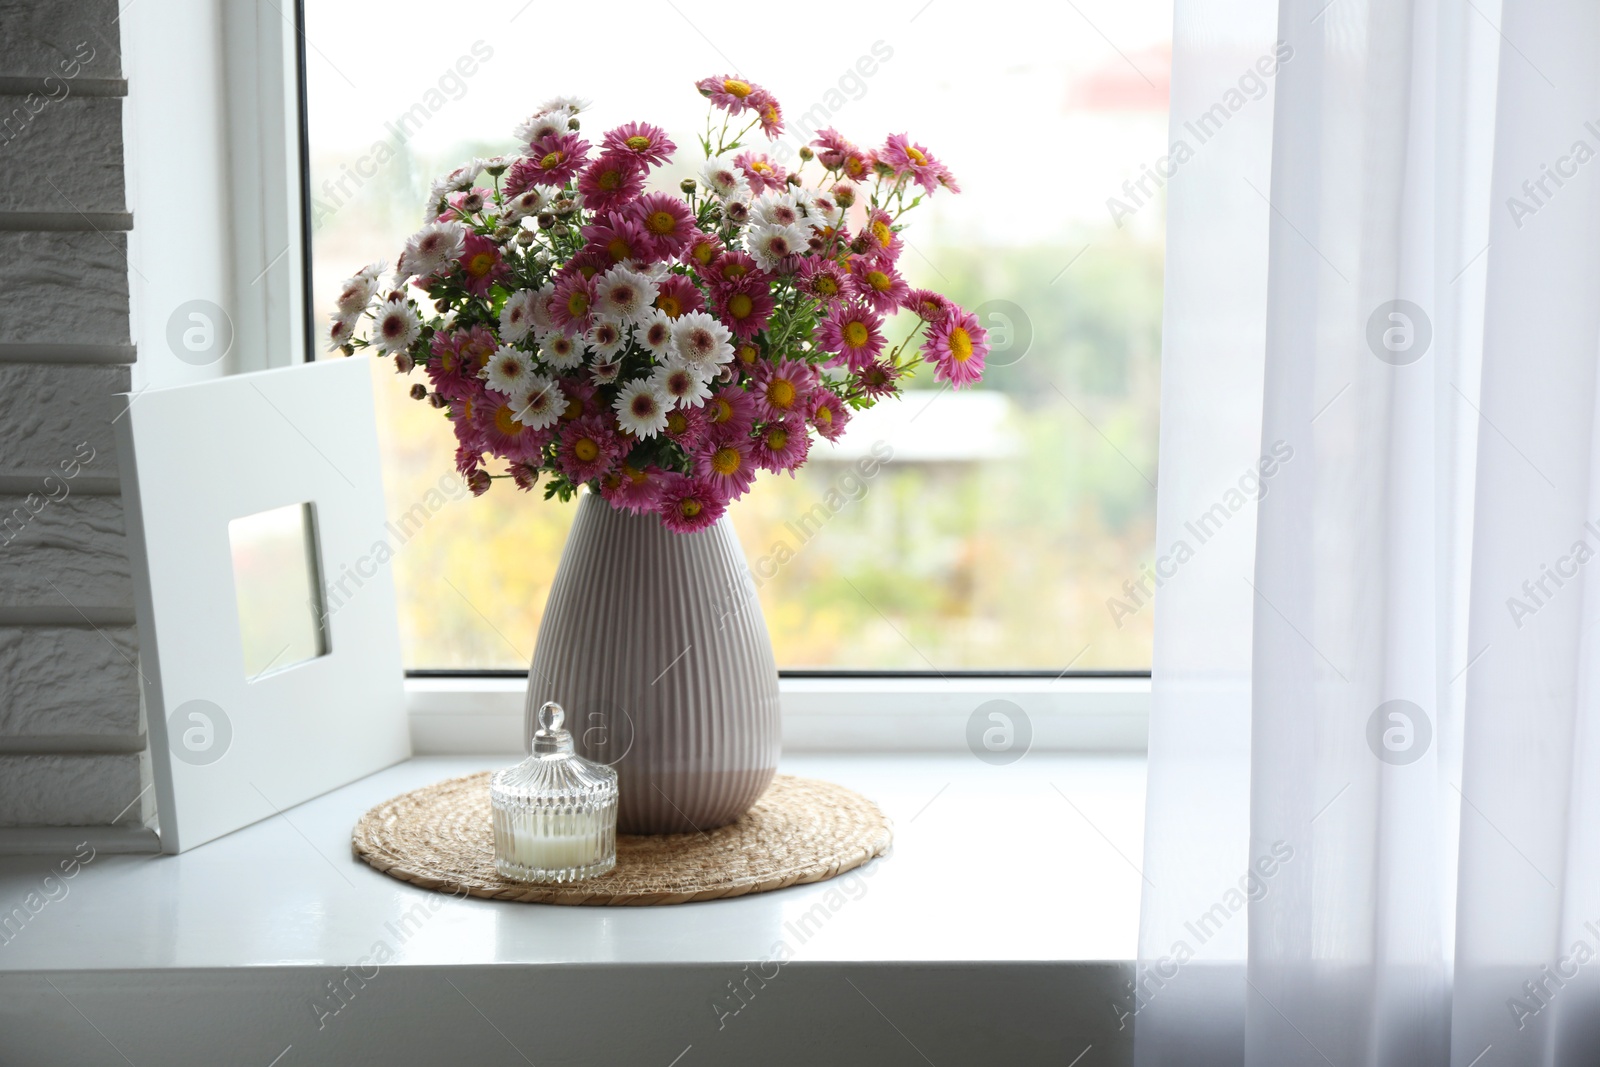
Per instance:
(452,716)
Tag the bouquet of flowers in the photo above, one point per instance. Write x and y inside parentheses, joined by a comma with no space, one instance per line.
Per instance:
(661,348)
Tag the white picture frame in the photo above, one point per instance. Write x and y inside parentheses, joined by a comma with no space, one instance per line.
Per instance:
(227,749)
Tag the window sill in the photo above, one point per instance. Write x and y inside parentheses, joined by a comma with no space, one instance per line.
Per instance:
(462,715)
(1009,896)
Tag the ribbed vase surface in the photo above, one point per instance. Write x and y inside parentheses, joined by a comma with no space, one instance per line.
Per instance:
(655,645)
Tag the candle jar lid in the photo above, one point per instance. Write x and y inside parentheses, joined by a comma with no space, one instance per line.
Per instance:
(555,813)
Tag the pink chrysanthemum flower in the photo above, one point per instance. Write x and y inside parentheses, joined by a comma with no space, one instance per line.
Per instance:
(769,112)
(927,305)
(688,504)
(619,237)
(726,465)
(878,284)
(853,333)
(688,427)
(731,94)
(745,308)
(730,413)
(910,159)
(878,238)
(506,435)
(782,445)
(611,181)
(469,452)
(829,414)
(946,179)
(668,225)
(632,489)
(464,417)
(468,201)
(572,306)
(877,379)
(481,265)
(525,475)
(582,398)
(833,148)
(782,388)
(458,358)
(844,194)
(679,296)
(823,279)
(732,268)
(858,165)
(703,251)
(649,143)
(587,448)
(762,173)
(553,160)
(957,347)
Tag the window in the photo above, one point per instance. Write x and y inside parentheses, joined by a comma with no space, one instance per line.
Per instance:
(1001,531)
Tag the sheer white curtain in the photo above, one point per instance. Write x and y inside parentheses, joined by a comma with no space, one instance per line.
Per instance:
(1373,833)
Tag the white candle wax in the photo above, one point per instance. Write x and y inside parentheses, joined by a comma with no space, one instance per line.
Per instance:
(550,852)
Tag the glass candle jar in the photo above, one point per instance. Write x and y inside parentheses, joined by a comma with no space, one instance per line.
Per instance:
(555,813)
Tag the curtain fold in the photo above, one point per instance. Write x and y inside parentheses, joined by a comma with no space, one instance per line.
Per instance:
(1372,820)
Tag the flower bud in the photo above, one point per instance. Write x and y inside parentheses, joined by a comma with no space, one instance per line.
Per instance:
(794,180)
(503,233)
(687,185)
(348,349)
(565,206)
(546,220)
(479,482)
(736,210)
(525,237)
(844,194)
(438,400)
(806,153)
(572,124)
(419,392)
(441,305)
(403,363)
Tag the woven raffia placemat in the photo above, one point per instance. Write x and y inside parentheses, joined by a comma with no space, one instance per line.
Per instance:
(801,830)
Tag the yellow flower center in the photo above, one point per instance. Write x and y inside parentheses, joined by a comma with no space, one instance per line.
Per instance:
(770,113)
(740,306)
(610,181)
(480,264)
(552,160)
(689,508)
(505,420)
(915,156)
(777,439)
(881,231)
(638,142)
(670,305)
(879,281)
(633,474)
(721,410)
(586,450)
(747,354)
(619,249)
(735,87)
(960,344)
(703,253)
(824,415)
(578,304)
(856,334)
(780,393)
(574,408)
(826,286)
(677,422)
(660,222)
(725,461)
(736,270)
(761,166)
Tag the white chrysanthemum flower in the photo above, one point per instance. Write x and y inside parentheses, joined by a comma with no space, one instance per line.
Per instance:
(682,383)
(655,333)
(341,328)
(562,352)
(433,247)
(359,290)
(541,308)
(523,204)
(607,338)
(778,210)
(508,371)
(771,245)
(702,342)
(516,317)
(641,409)
(545,122)
(436,204)
(461,179)
(570,104)
(540,403)
(625,295)
(396,325)
(820,208)
(605,373)
(723,178)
